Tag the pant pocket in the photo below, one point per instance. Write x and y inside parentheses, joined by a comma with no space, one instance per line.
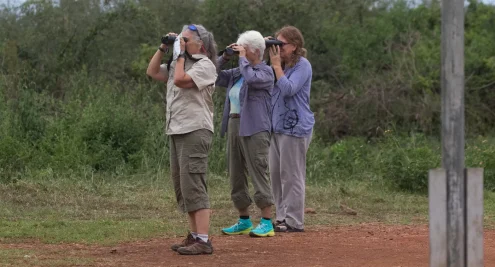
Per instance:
(198,163)
(261,160)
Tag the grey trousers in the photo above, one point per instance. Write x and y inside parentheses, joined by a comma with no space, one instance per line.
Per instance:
(288,176)
(248,153)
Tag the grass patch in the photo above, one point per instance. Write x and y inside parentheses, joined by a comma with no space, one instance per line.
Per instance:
(107,211)
(29,257)
(102,231)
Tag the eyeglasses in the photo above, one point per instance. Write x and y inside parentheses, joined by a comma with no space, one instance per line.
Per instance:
(282,43)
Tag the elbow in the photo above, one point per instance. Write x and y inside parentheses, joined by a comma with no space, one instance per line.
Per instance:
(286,93)
(251,83)
(261,85)
(221,81)
(254,82)
(183,82)
(150,72)
(290,93)
(178,82)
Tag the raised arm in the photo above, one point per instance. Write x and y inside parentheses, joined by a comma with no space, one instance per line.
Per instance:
(154,70)
(258,77)
(291,86)
(223,75)
(300,75)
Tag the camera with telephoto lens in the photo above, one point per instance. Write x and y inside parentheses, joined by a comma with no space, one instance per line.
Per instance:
(169,39)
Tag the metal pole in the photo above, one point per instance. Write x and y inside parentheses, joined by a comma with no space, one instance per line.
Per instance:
(453,127)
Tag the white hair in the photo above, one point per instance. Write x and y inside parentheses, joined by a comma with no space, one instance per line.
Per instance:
(254,41)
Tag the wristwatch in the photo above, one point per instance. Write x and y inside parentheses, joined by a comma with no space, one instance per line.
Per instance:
(182,54)
(161,49)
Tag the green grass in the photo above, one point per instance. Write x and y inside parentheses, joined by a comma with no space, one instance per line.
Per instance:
(107,211)
(33,257)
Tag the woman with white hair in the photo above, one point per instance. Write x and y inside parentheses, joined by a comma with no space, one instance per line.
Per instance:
(190,79)
(247,122)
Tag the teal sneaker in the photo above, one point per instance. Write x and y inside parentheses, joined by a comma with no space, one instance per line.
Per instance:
(264,229)
(242,227)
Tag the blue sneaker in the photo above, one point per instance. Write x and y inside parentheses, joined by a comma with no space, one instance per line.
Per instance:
(242,227)
(264,229)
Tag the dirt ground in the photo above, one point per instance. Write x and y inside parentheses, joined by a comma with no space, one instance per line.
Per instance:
(360,245)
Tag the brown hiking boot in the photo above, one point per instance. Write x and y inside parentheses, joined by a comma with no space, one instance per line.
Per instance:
(189,240)
(199,247)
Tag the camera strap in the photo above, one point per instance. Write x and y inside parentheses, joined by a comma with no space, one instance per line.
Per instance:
(170,62)
(171,59)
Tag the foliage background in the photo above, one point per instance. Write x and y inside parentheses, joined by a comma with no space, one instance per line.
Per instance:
(75,100)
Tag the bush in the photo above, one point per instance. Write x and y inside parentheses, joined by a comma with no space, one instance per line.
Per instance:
(480,153)
(14,156)
(74,96)
(408,169)
(113,136)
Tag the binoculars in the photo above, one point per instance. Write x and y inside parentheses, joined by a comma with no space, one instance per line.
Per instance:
(273,41)
(270,42)
(169,40)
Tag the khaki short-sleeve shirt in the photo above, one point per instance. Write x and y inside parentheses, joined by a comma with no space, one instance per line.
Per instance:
(191,109)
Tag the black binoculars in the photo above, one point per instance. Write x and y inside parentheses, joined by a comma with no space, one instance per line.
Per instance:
(169,39)
(273,41)
(270,42)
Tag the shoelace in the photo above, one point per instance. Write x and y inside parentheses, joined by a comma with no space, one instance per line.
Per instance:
(263,226)
(236,226)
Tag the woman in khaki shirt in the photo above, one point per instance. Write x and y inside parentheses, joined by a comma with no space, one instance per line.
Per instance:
(190,84)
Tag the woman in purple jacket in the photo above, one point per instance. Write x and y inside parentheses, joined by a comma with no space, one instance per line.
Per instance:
(292,122)
(247,121)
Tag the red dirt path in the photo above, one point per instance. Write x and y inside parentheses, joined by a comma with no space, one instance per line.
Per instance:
(360,245)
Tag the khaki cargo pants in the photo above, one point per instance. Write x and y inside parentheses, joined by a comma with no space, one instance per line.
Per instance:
(188,166)
(248,153)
